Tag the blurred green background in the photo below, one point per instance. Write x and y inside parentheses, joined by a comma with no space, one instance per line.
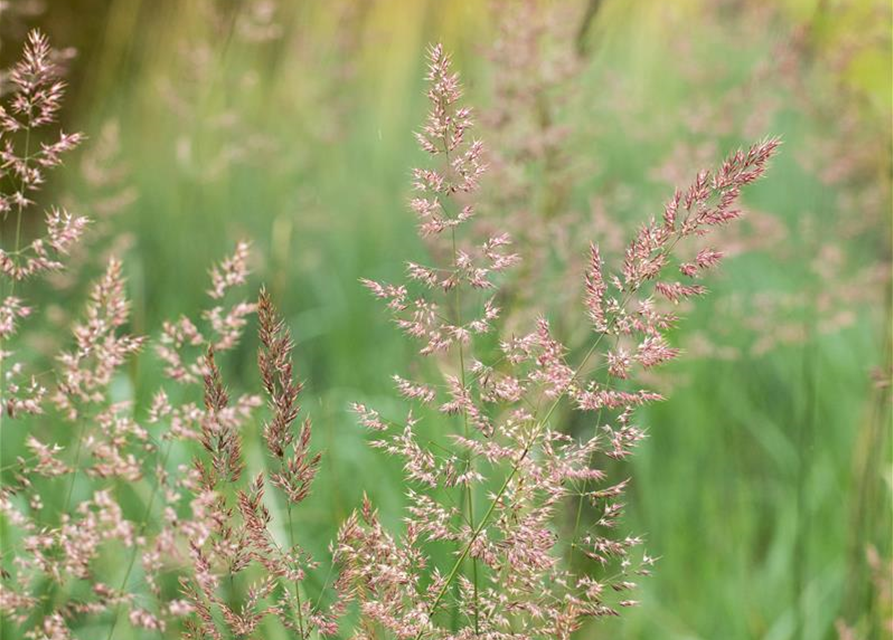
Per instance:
(765,485)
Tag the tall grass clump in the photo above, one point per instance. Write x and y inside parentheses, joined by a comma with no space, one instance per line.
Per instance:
(492,543)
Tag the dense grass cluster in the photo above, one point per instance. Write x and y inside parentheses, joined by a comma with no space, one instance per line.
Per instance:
(162,479)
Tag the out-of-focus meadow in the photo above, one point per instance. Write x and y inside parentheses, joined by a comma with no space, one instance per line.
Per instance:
(765,483)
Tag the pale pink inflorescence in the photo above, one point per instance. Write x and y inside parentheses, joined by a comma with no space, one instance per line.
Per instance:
(107,442)
(34,104)
(183,345)
(494,479)
(842,161)
(514,571)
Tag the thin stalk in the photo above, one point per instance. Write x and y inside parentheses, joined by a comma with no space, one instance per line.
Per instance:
(468,462)
(291,540)
(598,424)
(74,472)
(804,450)
(143,527)
(18,242)
(576,528)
